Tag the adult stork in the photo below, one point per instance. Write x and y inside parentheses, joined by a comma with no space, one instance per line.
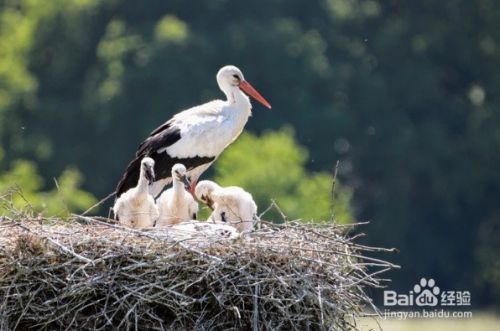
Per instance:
(195,137)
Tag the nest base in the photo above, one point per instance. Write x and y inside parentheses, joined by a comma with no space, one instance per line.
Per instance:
(85,274)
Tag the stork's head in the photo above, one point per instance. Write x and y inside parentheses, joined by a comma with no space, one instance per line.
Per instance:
(204,191)
(147,168)
(179,173)
(230,77)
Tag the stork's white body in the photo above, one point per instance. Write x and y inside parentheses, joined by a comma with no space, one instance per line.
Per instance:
(136,208)
(175,206)
(209,128)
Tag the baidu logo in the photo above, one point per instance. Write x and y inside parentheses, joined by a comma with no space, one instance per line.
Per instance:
(427,294)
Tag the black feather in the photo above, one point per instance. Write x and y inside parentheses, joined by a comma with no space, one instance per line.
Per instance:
(163,136)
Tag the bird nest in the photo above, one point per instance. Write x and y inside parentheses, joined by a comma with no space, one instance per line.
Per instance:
(87,274)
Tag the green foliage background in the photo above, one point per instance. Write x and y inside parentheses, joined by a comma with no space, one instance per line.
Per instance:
(404,93)
(20,189)
(271,167)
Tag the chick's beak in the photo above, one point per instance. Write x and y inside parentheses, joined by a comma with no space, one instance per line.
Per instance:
(150,175)
(186,181)
(209,203)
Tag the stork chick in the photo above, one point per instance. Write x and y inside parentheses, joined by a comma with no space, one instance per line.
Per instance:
(136,208)
(231,205)
(176,204)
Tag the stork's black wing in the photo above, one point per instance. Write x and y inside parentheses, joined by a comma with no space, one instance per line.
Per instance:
(162,137)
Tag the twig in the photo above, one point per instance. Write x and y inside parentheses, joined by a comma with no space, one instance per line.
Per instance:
(332,192)
(100,202)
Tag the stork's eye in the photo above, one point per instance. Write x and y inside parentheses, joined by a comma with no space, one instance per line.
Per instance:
(236,76)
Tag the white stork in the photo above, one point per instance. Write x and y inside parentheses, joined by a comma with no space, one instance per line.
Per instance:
(196,137)
(176,204)
(231,205)
(136,208)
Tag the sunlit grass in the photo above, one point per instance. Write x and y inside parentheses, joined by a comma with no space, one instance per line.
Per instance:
(479,321)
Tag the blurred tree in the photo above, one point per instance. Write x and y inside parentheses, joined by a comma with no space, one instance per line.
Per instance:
(487,253)
(20,189)
(271,167)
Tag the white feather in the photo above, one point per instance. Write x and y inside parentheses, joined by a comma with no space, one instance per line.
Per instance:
(202,230)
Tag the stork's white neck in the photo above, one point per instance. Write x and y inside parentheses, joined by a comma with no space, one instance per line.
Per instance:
(238,99)
(239,110)
(178,186)
(142,186)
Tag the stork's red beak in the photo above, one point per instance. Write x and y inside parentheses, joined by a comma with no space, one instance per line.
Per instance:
(248,89)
